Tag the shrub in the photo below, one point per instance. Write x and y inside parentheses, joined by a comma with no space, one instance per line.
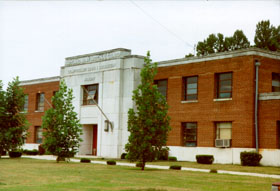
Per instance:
(85,160)
(111,162)
(163,155)
(139,164)
(204,159)
(41,150)
(250,158)
(172,158)
(31,152)
(175,167)
(123,156)
(213,171)
(15,154)
(4,153)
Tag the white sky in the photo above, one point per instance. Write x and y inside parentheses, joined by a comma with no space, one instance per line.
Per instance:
(35,37)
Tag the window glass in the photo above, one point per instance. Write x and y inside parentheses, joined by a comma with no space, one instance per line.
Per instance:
(224,130)
(190,88)
(90,94)
(25,106)
(275,82)
(189,134)
(38,134)
(224,85)
(40,101)
(162,87)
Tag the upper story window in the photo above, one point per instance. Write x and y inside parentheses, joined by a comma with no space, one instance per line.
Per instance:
(189,134)
(25,106)
(162,87)
(190,88)
(90,96)
(40,101)
(224,85)
(275,82)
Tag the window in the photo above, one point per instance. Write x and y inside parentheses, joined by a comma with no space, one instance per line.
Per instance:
(224,85)
(275,82)
(25,106)
(162,87)
(90,94)
(190,88)
(189,134)
(223,130)
(40,100)
(38,134)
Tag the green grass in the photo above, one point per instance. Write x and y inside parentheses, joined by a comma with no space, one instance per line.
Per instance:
(34,175)
(229,167)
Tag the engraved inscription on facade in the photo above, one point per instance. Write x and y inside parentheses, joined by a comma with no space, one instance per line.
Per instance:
(91,69)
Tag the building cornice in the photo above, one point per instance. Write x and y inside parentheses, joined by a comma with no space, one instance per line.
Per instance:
(222,55)
(40,81)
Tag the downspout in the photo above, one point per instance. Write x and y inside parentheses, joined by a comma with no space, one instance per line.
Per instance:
(257,64)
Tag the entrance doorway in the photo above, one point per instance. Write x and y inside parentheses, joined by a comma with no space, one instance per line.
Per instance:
(94,140)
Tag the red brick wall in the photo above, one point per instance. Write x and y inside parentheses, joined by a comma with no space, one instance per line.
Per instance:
(239,110)
(269,110)
(35,118)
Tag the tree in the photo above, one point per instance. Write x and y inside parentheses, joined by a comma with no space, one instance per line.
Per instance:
(61,125)
(267,36)
(148,124)
(13,123)
(217,43)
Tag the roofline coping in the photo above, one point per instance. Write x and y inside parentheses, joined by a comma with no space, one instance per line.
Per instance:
(40,80)
(222,55)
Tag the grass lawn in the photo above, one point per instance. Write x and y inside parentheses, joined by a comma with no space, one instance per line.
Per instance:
(229,167)
(41,175)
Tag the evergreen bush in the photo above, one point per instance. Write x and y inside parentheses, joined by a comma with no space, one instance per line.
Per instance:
(250,158)
(85,160)
(172,158)
(175,167)
(204,159)
(111,162)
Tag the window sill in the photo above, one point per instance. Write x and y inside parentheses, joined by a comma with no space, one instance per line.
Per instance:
(37,111)
(190,101)
(223,99)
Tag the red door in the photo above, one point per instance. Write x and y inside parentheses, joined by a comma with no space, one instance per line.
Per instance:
(94,142)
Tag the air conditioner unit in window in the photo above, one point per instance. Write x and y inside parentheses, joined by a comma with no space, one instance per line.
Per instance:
(223,143)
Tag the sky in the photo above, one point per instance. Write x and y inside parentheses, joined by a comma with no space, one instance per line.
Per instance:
(37,36)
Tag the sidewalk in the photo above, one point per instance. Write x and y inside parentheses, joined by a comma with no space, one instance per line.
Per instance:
(51,157)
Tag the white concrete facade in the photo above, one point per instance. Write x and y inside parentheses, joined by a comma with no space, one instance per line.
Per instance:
(117,74)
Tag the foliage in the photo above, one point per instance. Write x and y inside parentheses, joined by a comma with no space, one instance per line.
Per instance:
(217,43)
(13,123)
(163,154)
(31,152)
(189,55)
(111,162)
(41,150)
(123,156)
(139,164)
(148,123)
(213,171)
(85,160)
(267,36)
(61,126)
(175,167)
(15,154)
(204,159)
(250,158)
(172,158)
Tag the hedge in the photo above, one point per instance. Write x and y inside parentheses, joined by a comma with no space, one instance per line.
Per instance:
(175,167)
(85,160)
(250,158)
(204,159)
(15,154)
(172,158)
(111,162)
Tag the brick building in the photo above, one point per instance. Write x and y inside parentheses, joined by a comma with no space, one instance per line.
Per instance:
(211,102)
